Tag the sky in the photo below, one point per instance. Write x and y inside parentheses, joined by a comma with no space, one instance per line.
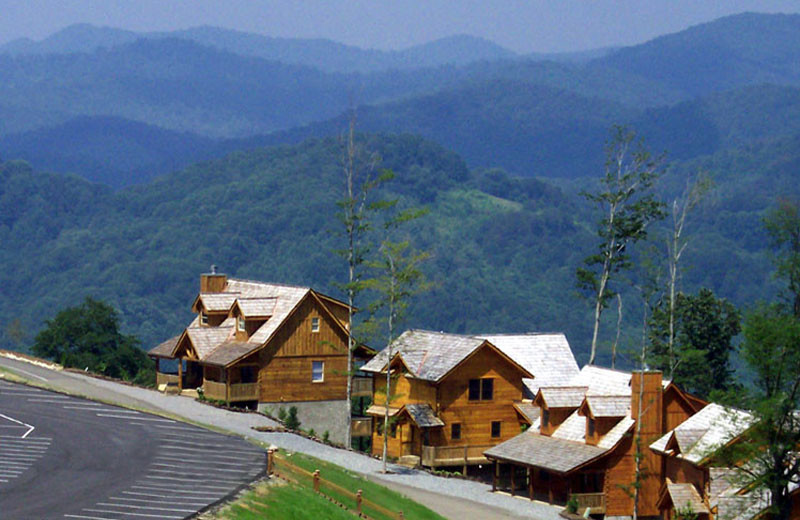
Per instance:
(520,25)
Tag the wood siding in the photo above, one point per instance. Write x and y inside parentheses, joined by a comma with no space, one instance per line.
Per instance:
(681,471)
(676,410)
(476,416)
(285,363)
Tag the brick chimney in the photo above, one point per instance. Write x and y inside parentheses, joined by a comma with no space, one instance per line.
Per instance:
(213,282)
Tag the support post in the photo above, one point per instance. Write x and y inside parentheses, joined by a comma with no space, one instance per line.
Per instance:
(180,375)
(530,483)
(513,484)
(316,481)
(270,461)
(550,491)
(494,477)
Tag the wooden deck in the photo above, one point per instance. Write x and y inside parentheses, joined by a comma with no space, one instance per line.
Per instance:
(433,456)
(230,392)
(596,501)
(361,426)
(362,386)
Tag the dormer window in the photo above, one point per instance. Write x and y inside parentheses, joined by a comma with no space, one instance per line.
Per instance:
(203,318)
(591,427)
(315,324)
(545,418)
(240,324)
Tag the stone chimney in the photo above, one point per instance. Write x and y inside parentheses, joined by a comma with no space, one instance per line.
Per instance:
(213,282)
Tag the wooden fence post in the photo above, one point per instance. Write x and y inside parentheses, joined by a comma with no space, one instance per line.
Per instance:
(316,481)
(400,515)
(270,461)
(358,502)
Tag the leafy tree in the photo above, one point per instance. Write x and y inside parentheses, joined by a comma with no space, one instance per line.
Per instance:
(629,205)
(704,330)
(783,225)
(399,278)
(766,456)
(88,336)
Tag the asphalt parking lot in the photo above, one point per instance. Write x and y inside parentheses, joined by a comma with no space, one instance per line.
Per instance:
(65,457)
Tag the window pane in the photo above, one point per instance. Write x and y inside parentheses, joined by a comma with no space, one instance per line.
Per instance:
(474,389)
(495,428)
(317,370)
(487,391)
(314,324)
(455,431)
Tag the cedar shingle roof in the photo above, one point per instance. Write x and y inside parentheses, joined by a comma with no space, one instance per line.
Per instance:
(528,410)
(609,405)
(428,355)
(563,396)
(206,339)
(710,428)
(217,302)
(545,355)
(422,415)
(686,494)
(555,454)
(165,349)
(256,307)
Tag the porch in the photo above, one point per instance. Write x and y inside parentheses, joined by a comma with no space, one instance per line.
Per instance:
(435,456)
(230,392)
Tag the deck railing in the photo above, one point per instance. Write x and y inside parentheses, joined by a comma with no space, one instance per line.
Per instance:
(230,392)
(596,501)
(163,378)
(433,456)
(361,427)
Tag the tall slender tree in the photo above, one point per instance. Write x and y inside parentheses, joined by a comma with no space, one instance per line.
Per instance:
(360,179)
(676,246)
(629,206)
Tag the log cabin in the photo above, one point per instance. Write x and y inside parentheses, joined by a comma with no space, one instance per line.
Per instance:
(266,346)
(693,479)
(453,395)
(582,446)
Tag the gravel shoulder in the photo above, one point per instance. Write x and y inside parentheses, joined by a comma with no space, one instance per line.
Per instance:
(453,498)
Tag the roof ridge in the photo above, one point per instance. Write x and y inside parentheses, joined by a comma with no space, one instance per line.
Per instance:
(511,334)
(258,282)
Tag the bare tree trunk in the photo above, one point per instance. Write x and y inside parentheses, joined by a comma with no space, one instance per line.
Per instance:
(389,361)
(619,328)
(349,174)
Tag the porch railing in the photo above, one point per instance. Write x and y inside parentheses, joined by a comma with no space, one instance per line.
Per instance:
(230,392)
(163,378)
(361,426)
(596,501)
(433,456)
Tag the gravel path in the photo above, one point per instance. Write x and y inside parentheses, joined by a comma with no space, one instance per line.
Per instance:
(446,496)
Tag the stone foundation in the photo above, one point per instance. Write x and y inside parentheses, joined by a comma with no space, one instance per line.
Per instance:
(319,415)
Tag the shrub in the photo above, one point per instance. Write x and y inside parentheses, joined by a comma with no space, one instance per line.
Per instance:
(292,422)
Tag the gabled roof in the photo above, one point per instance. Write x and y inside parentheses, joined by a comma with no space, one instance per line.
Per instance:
(561,396)
(430,356)
(696,438)
(422,415)
(681,496)
(607,406)
(527,410)
(555,454)
(166,348)
(275,302)
(545,355)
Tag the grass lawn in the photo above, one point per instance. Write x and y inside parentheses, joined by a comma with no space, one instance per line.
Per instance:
(297,499)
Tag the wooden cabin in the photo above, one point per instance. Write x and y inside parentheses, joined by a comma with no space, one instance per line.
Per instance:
(266,346)
(691,477)
(582,445)
(453,396)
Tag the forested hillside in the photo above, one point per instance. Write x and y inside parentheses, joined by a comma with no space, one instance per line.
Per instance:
(504,249)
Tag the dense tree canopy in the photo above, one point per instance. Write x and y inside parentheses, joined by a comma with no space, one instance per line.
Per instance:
(88,336)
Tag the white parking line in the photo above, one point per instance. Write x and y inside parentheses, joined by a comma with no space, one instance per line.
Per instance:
(134,506)
(31,428)
(171,500)
(240,471)
(174,497)
(89,517)
(130,514)
(173,490)
(138,418)
(184,448)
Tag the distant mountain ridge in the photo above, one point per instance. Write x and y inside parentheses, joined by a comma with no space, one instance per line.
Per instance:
(326,55)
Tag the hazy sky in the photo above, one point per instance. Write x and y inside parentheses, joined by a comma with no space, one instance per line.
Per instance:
(523,26)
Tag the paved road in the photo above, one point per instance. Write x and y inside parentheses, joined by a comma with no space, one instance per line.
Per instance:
(65,457)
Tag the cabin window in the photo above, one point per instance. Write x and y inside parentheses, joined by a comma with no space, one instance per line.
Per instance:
(545,418)
(393,430)
(203,318)
(248,374)
(455,431)
(481,389)
(315,324)
(591,427)
(495,429)
(240,324)
(317,371)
